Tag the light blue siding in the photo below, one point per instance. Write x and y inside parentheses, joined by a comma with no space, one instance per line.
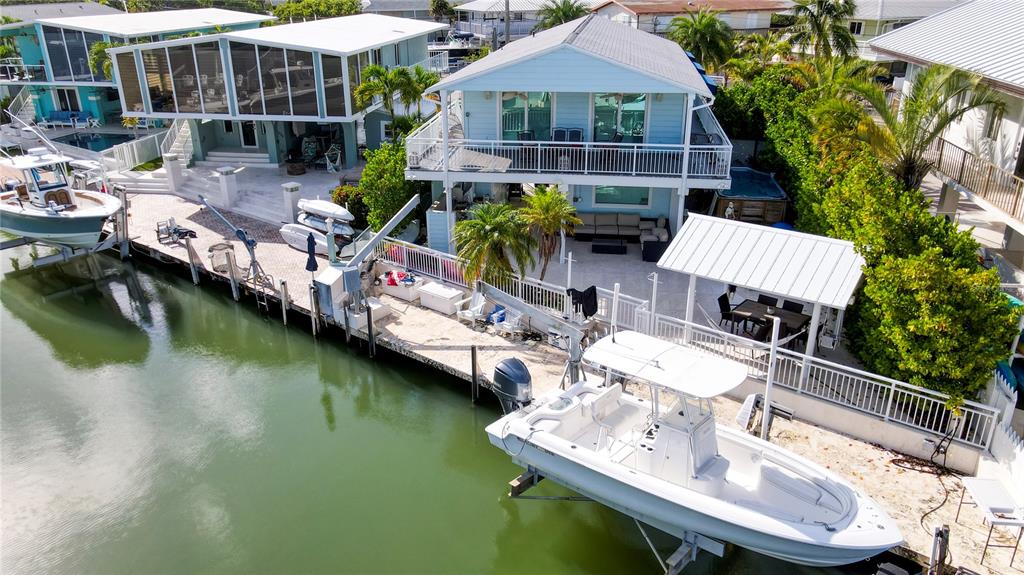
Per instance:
(566,70)
(665,123)
(661,203)
(417,48)
(572,110)
(437,230)
(481,116)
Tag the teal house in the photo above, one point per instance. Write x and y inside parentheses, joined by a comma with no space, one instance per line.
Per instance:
(53,67)
(618,119)
(267,95)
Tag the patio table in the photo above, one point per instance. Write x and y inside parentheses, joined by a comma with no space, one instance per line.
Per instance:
(999,507)
(758,312)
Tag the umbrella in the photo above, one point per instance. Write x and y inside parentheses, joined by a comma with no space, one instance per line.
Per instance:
(311,265)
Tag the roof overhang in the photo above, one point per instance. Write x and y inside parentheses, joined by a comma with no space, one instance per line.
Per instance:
(1007,87)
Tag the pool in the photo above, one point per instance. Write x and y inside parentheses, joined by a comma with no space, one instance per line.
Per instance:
(754,197)
(94,142)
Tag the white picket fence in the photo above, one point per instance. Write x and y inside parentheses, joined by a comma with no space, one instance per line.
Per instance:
(887,399)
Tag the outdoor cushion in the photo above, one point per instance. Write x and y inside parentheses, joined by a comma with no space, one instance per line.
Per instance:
(588,219)
(628,231)
(662,235)
(646,225)
(648,237)
(608,230)
(661,223)
(606,220)
(585,229)
(630,220)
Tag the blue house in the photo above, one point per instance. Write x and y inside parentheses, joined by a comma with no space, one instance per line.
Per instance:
(617,118)
(53,68)
(260,96)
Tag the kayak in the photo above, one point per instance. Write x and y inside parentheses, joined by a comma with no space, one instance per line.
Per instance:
(296,236)
(319,223)
(326,210)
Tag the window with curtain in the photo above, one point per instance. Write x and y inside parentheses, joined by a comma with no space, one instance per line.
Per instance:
(59,65)
(158,80)
(621,196)
(247,79)
(77,55)
(275,81)
(353,80)
(619,113)
(130,88)
(186,81)
(211,78)
(513,114)
(334,85)
(302,80)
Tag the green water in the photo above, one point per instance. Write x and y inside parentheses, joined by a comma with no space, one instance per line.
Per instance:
(149,426)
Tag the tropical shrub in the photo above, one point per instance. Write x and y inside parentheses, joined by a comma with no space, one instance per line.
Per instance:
(383,185)
(491,239)
(352,198)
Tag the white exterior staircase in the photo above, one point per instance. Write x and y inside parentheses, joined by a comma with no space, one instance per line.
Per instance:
(237,158)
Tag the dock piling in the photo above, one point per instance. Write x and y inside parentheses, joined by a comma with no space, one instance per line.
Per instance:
(192,261)
(369,332)
(314,315)
(233,275)
(474,385)
(282,288)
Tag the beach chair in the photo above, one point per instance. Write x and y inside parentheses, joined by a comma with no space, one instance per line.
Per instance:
(511,324)
(473,312)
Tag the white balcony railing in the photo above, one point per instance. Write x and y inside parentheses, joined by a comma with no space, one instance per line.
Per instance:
(437,61)
(487,28)
(16,70)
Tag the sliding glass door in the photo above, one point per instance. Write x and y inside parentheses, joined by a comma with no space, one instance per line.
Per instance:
(623,114)
(526,116)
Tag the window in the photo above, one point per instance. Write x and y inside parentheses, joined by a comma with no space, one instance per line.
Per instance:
(398,59)
(376,57)
(898,25)
(130,87)
(527,113)
(622,196)
(302,82)
(77,55)
(247,79)
(67,99)
(59,65)
(513,114)
(211,78)
(353,81)
(624,114)
(995,122)
(91,39)
(275,81)
(158,80)
(856,28)
(186,81)
(334,85)
(229,126)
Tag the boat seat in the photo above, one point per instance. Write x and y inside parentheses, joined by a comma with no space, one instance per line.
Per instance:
(800,488)
(710,478)
(22,191)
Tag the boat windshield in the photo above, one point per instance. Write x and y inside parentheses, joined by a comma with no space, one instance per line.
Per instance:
(49,177)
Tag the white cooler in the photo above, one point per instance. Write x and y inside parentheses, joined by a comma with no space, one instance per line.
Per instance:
(378,309)
(403,291)
(440,298)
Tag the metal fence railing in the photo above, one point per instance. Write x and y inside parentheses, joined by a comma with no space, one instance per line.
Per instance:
(997,186)
(887,399)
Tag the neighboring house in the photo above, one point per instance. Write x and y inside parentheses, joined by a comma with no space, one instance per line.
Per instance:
(619,119)
(262,95)
(655,16)
(985,37)
(876,17)
(415,9)
(54,69)
(485,19)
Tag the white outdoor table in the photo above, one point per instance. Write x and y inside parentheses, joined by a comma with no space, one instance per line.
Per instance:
(998,505)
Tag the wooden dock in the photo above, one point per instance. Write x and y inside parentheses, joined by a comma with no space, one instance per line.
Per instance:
(412,331)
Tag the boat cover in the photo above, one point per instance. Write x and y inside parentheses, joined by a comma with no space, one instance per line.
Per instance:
(665,364)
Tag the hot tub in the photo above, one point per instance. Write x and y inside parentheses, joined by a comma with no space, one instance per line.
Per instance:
(755,197)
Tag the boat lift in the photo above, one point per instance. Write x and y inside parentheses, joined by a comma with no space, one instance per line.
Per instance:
(261,280)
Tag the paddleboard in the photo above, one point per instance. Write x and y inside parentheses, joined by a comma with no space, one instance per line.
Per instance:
(326,209)
(320,224)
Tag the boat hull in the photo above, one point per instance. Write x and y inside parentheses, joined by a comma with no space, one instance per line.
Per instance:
(73,232)
(669,516)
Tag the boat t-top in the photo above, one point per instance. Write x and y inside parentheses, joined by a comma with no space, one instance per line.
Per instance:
(663,460)
(41,204)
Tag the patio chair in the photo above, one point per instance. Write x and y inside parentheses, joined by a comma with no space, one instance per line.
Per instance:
(725,309)
(511,324)
(473,312)
(309,151)
(762,333)
(559,135)
(575,134)
(768,300)
(794,306)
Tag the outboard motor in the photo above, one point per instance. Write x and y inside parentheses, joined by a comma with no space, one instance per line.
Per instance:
(513,384)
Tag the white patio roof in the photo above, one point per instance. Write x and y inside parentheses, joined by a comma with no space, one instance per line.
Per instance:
(149,23)
(342,35)
(786,263)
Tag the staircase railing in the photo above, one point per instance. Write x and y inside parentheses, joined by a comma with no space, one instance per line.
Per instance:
(19,102)
(178,129)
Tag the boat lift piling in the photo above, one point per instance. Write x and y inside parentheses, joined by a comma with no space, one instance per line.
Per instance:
(282,288)
(474,370)
(191,261)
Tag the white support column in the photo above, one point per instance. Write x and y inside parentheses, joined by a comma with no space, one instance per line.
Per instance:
(691,301)
(812,339)
(449,213)
(175,176)
(680,209)
(228,186)
(290,198)
(683,184)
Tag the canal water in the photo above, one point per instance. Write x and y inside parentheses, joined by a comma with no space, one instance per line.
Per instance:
(150,426)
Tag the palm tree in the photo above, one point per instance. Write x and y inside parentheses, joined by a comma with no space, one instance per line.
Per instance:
(548,213)
(939,96)
(378,81)
(421,80)
(833,77)
(705,36)
(555,12)
(755,52)
(822,24)
(487,238)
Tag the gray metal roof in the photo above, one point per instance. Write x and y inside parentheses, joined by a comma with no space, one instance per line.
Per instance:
(900,9)
(618,43)
(33,12)
(981,36)
(379,6)
(791,264)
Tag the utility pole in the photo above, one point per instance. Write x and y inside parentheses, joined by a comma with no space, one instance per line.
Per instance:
(508,24)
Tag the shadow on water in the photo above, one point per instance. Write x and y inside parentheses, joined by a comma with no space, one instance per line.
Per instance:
(89,310)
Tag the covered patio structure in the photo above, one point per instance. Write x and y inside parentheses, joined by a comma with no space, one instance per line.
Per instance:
(792,266)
